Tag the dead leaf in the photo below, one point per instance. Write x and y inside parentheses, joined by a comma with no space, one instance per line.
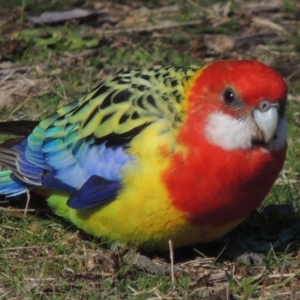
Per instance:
(260,6)
(5,100)
(56,71)
(64,16)
(18,88)
(268,23)
(219,43)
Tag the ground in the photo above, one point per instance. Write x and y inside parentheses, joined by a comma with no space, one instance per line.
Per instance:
(46,62)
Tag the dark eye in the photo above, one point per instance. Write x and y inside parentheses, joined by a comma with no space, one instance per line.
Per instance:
(229,96)
(232,99)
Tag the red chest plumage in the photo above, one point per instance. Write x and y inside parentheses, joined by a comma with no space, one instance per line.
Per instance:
(216,187)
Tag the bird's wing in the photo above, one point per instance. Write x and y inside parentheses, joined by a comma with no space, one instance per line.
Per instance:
(82,147)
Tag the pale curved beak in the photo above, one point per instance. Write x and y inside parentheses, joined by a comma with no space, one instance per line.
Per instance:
(267,122)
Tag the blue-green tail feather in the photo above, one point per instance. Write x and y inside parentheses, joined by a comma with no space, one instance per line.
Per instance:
(10,185)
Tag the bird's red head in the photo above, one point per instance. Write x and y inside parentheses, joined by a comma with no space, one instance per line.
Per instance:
(237,99)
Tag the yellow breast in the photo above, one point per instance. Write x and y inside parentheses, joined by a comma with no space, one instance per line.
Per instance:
(142,214)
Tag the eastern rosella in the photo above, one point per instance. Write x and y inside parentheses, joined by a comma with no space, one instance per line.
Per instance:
(165,153)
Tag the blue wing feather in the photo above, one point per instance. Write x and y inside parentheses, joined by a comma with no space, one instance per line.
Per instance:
(90,172)
(10,185)
(96,190)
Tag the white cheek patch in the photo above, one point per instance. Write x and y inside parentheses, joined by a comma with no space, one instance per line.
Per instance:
(230,133)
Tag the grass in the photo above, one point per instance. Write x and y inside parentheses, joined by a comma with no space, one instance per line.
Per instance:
(41,256)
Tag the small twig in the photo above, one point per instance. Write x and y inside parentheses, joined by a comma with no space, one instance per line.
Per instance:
(38,279)
(3,296)
(20,106)
(163,25)
(172,261)
(293,74)
(23,247)
(27,203)
(255,36)
(227,293)
(36,116)
(63,87)
(4,72)
(261,6)
(282,275)
(58,94)
(22,210)
(7,76)
(282,268)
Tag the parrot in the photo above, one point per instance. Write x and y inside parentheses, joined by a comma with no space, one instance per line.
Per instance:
(159,154)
